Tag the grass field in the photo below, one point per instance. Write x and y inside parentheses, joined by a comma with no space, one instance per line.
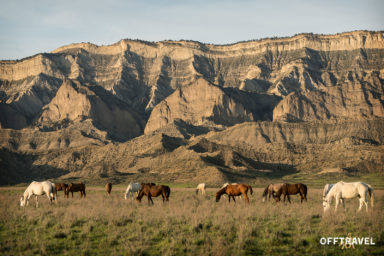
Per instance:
(187,225)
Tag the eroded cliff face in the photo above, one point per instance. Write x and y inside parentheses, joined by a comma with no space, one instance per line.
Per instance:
(76,103)
(142,74)
(299,98)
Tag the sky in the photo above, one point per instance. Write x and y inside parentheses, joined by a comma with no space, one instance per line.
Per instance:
(30,27)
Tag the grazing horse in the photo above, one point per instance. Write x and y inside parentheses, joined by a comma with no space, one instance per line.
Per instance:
(154,191)
(328,187)
(292,189)
(108,188)
(61,186)
(201,188)
(271,190)
(132,188)
(343,190)
(76,187)
(39,189)
(234,190)
(226,184)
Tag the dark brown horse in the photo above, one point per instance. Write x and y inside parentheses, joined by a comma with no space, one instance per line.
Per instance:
(153,191)
(234,190)
(108,188)
(292,189)
(76,187)
(149,184)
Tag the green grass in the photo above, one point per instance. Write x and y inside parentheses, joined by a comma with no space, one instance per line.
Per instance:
(187,225)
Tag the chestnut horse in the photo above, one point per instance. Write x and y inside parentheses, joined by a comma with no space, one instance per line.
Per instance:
(292,189)
(75,187)
(153,191)
(61,186)
(108,188)
(234,190)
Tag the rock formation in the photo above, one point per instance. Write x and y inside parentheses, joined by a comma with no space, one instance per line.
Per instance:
(134,92)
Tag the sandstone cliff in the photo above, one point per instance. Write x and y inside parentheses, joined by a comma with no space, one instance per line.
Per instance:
(204,104)
(76,103)
(142,74)
(185,110)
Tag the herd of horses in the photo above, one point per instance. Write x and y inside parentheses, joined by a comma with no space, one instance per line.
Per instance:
(338,191)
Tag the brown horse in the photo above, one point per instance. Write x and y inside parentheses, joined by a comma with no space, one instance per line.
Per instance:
(149,184)
(108,188)
(270,190)
(61,186)
(153,191)
(76,187)
(292,189)
(234,190)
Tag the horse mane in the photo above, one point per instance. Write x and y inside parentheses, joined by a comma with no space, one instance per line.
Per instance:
(221,191)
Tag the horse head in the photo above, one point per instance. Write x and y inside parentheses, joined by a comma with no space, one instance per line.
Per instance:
(326,204)
(22,201)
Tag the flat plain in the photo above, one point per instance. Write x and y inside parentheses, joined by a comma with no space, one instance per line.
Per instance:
(188,224)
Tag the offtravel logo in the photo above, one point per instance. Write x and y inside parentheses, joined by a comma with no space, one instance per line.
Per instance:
(347,242)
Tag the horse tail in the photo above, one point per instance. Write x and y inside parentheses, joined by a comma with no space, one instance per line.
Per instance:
(168,191)
(53,192)
(250,189)
(371,193)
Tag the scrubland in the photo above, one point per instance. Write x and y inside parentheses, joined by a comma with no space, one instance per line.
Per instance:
(188,224)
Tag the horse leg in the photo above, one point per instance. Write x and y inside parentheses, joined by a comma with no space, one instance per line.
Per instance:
(37,202)
(343,203)
(150,199)
(246,197)
(337,202)
(366,205)
(360,205)
(27,198)
(289,199)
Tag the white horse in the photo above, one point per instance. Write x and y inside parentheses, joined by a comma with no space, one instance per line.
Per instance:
(342,190)
(38,189)
(201,188)
(132,188)
(328,187)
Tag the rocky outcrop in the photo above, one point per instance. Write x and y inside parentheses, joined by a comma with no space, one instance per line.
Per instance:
(76,103)
(200,104)
(356,99)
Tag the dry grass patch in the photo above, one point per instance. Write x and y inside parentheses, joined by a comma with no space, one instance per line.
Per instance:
(187,225)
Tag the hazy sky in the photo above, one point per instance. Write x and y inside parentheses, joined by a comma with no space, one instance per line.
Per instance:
(31,26)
